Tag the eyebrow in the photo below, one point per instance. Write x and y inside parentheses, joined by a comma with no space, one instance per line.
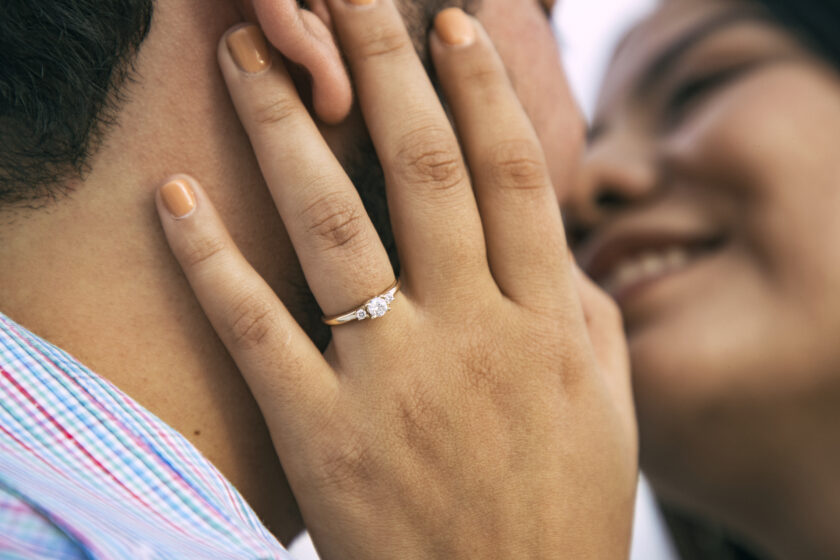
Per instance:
(670,57)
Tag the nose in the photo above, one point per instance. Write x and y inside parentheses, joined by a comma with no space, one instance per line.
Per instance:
(617,174)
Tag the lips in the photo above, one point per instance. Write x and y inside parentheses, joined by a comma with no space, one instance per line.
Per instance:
(624,260)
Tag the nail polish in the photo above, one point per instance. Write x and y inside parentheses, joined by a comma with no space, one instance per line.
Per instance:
(248,47)
(454,27)
(178,198)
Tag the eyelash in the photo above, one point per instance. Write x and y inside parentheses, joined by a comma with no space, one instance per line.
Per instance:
(693,91)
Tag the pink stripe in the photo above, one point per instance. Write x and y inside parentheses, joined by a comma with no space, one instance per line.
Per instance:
(174,446)
(137,441)
(29,449)
(81,448)
(17,507)
(57,519)
(104,410)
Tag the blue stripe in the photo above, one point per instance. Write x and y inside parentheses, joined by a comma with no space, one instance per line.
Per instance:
(82,509)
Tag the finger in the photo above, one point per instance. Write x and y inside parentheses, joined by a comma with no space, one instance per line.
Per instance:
(606,334)
(523,229)
(285,371)
(433,210)
(339,250)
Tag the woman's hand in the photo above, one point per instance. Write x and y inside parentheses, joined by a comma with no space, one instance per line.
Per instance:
(488,415)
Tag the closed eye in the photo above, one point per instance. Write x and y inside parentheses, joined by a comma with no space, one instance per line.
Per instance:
(692,92)
(688,97)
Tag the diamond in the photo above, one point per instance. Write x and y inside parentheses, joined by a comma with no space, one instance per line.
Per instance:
(361,315)
(389,297)
(377,307)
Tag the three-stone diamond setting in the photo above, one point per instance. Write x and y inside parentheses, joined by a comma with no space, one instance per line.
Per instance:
(372,309)
(376,308)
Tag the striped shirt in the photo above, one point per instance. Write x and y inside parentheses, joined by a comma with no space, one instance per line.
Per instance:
(86,472)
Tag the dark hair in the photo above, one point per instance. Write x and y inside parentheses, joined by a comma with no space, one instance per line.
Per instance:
(814,22)
(61,65)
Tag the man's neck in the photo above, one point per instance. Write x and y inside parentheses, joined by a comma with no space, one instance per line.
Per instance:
(92,273)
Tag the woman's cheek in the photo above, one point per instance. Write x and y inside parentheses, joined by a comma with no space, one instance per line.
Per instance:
(769,144)
(751,142)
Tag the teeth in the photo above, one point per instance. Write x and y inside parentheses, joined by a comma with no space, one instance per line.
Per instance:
(653,264)
(629,272)
(645,266)
(676,257)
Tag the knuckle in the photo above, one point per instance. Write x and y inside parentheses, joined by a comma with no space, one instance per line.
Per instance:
(274,110)
(335,220)
(481,374)
(519,165)
(575,356)
(599,305)
(484,77)
(201,250)
(252,322)
(381,42)
(478,377)
(611,310)
(345,464)
(420,414)
(429,156)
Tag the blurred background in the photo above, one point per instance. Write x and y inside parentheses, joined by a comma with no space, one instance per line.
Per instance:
(587,32)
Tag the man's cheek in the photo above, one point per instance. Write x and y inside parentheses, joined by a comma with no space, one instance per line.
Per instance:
(522,35)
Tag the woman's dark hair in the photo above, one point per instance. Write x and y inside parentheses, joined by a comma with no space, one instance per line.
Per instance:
(61,65)
(815,22)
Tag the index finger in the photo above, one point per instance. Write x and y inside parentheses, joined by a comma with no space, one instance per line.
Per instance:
(285,371)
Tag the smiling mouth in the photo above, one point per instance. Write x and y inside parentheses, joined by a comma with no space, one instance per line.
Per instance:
(646,265)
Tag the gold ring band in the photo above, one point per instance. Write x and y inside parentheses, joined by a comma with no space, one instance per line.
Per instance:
(373,308)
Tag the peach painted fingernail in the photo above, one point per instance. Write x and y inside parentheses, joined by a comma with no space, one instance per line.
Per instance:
(178,198)
(361,2)
(455,27)
(249,49)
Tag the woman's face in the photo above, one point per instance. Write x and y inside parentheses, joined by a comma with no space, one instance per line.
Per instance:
(708,207)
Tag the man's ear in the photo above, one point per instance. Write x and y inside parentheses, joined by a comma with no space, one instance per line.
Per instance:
(305,37)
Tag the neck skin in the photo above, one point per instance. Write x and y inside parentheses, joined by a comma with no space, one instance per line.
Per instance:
(800,488)
(781,492)
(93,274)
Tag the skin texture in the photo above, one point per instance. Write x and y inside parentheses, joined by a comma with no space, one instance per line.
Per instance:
(93,273)
(734,357)
(489,414)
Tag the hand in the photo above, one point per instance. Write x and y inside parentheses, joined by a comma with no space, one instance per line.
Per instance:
(488,415)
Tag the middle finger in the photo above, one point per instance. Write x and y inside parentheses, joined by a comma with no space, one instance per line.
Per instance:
(433,210)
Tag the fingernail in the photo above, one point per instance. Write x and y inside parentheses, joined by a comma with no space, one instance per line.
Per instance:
(361,2)
(178,198)
(249,49)
(455,27)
